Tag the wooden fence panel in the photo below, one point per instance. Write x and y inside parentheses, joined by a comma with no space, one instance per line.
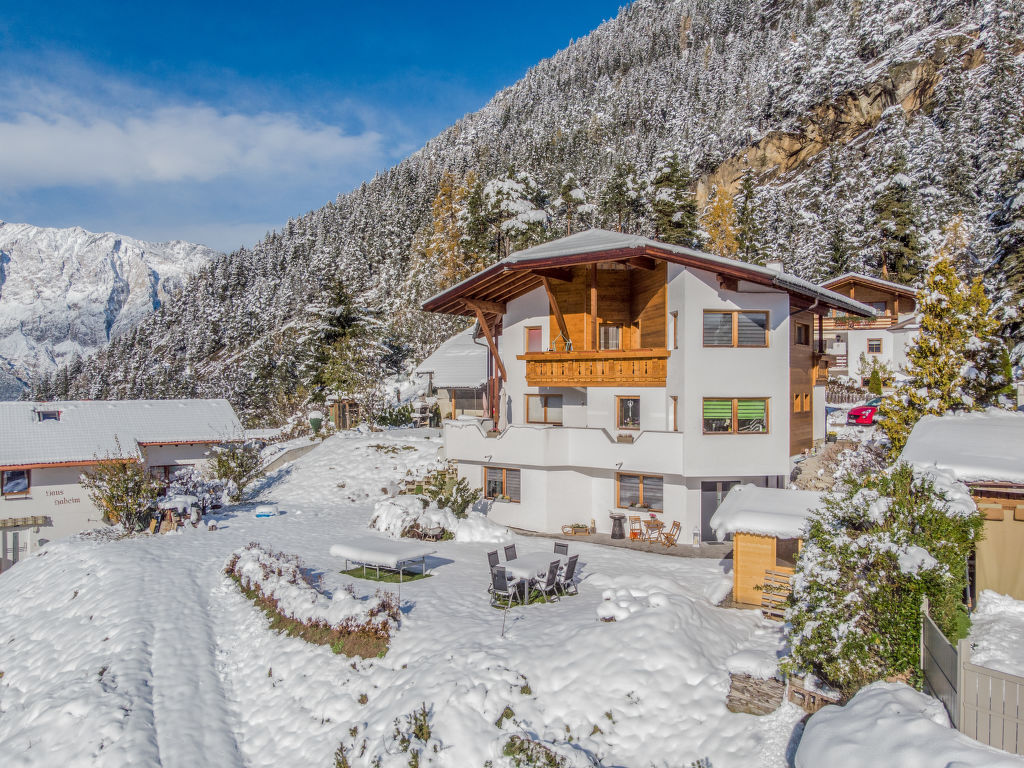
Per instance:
(939,663)
(992,707)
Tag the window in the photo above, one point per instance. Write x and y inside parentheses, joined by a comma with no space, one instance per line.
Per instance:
(15,482)
(544,409)
(675,413)
(627,410)
(724,416)
(48,415)
(801,402)
(500,482)
(534,339)
(735,329)
(641,490)
(874,346)
(611,336)
(802,334)
(879,306)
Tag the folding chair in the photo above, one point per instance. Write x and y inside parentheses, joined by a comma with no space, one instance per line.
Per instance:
(549,587)
(561,548)
(492,559)
(510,552)
(568,578)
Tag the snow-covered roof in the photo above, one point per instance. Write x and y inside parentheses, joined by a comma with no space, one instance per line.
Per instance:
(458,363)
(594,241)
(92,429)
(987,446)
(876,281)
(778,512)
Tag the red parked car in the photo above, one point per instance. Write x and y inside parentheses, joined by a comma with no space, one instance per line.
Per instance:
(864,415)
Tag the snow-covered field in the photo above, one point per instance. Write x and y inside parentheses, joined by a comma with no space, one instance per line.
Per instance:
(141,652)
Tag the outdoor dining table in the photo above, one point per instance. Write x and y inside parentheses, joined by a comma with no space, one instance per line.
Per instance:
(532,565)
(654,528)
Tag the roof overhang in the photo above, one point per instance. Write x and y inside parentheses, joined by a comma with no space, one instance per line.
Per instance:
(521,273)
(874,282)
(56,464)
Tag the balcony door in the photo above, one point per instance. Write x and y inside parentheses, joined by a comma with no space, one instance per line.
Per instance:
(712,494)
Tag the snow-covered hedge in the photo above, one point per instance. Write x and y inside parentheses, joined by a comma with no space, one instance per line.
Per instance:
(280,585)
(404,516)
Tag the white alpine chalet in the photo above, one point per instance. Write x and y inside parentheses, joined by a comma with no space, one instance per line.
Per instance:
(627,374)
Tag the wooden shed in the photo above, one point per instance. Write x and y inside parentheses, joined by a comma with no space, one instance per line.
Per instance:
(766,525)
(985,451)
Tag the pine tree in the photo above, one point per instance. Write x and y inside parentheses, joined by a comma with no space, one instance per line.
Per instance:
(748,226)
(445,249)
(572,202)
(621,201)
(719,221)
(672,203)
(957,362)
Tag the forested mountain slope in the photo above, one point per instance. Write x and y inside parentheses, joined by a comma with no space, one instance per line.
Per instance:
(782,116)
(64,293)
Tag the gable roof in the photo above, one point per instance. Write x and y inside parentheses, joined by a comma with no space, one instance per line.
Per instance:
(985,446)
(512,277)
(877,282)
(95,429)
(458,363)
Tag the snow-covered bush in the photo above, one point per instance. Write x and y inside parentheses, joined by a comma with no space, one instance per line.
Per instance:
(123,490)
(278,584)
(880,543)
(193,481)
(236,465)
(406,516)
(457,496)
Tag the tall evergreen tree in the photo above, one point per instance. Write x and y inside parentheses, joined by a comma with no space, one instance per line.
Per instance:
(621,199)
(957,362)
(672,202)
(748,225)
(719,221)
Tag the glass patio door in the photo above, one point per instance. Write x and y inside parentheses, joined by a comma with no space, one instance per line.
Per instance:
(712,493)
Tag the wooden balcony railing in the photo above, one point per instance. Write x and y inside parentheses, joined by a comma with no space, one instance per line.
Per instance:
(850,323)
(603,368)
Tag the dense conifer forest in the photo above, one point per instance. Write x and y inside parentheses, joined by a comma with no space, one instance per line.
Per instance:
(830,135)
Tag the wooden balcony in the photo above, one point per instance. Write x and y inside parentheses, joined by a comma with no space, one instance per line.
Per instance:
(597,368)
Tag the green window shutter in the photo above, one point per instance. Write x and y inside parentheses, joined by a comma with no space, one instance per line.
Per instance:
(751,409)
(718,409)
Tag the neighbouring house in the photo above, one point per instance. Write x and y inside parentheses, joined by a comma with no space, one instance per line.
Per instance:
(46,447)
(985,451)
(627,372)
(884,337)
(767,527)
(457,372)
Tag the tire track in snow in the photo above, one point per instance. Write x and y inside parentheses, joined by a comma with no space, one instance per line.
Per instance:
(190,708)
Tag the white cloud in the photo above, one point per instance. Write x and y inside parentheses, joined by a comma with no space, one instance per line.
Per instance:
(47,147)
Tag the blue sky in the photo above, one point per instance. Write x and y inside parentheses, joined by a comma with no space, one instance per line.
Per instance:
(215,122)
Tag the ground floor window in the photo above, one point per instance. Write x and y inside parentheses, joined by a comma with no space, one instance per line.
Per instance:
(502,483)
(15,482)
(640,491)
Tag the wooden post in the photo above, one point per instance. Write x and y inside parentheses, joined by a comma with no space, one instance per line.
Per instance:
(490,341)
(556,310)
(593,307)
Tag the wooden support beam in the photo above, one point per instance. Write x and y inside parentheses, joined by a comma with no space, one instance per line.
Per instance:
(556,310)
(554,273)
(593,306)
(494,307)
(486,328)
(643,262)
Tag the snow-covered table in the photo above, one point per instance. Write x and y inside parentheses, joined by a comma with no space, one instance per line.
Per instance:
(533,564)
(380,552)
(181,503)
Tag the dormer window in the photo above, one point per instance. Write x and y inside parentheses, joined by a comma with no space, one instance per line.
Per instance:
(48,415)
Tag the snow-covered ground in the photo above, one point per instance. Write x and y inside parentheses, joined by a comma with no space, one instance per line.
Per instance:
(997,633)
(141,652)
(890,725)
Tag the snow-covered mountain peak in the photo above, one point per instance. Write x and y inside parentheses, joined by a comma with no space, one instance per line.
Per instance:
(66,292)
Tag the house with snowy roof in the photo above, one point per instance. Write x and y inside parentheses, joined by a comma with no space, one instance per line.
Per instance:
(47,445)
(883,337)
(457,372)
(628,373)
(985,451)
